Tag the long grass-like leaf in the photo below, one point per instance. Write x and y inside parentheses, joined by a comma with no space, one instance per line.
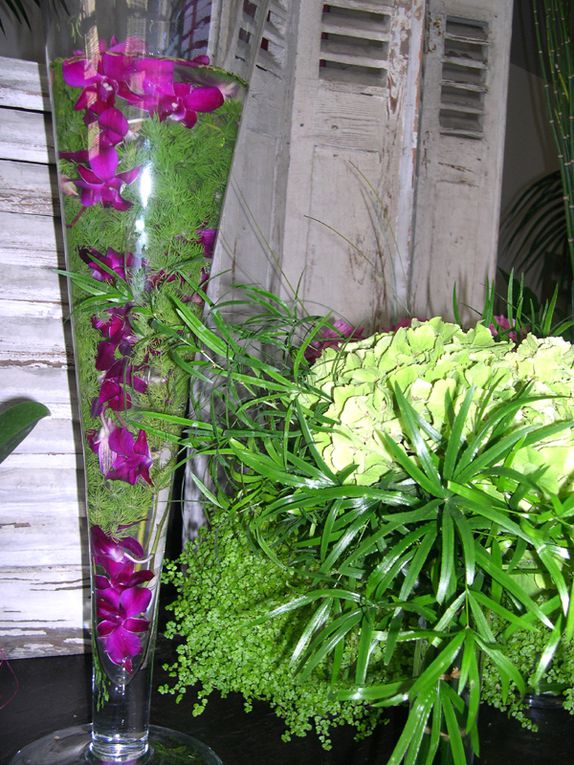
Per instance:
(413,730)
(506,668)
(547,653)
(329,638)
(443,661)
(410,420)
(485,562)
(456,440)
(411,468)
(447,563)
(456,746)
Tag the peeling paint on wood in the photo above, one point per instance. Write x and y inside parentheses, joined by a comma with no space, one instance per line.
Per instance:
(41,514)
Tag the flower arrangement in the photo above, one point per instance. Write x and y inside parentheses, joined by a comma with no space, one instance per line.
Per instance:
(145,145)
(389,525)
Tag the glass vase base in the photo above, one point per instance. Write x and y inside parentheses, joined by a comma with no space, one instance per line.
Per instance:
(70,746)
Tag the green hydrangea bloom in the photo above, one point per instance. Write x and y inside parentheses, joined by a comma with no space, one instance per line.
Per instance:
(434,363)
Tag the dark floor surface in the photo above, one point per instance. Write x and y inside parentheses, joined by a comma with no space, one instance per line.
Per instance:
(38,696)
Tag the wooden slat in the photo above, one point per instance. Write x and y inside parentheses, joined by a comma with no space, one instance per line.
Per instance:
(34,538)
(30,238)
(54,386)
(55,624)
(37,343)
(18,282)
(23,85)
(25,136)
(29,478)
(53,435)
(27,188)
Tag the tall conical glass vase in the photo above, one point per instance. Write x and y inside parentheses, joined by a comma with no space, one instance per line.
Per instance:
(146,101)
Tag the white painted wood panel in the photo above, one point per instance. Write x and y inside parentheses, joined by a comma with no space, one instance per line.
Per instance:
(25,136)
(330,140)
(23,85)
(54,625)
(43,577)
(27,187)
(461,154)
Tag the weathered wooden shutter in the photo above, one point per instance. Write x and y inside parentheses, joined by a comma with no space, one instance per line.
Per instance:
(42,576)
(334,135)
(460,154)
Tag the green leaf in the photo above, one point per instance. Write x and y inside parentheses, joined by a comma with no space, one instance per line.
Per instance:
(410,419)
(506,668)
(330,637)
(569,630)
(395,692)
(367,643)
(467,540)
(499,610)
(483,627)
(411,468)
(442,662)
(413,730)
(16,422)
(447,564)
(424,548)
(547,654)
(448,617)
(485,562)
(456,745)
(456,440)
(474,693)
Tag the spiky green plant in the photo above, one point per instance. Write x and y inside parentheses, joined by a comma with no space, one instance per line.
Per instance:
(404,496)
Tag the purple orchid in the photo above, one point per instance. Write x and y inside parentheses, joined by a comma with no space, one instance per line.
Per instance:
(118,381)
(118,558)
(332,337)
(113,127)
(503,329)
(178,101)
(122,457)
(99,183)
(117,329)
(121,600)
(102,77)
(82,156)
(207,238)
(121,620)
(116,261)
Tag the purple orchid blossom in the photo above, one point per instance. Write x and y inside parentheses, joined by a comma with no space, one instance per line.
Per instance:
(101,184)
(121,595)
(332,337)
(116,261)
(117,329)
(118,381)
(207,238)
(122,457)
(121,621)
(82,156)
(178,101)
(113,127)
(117,557)
(102,77)
(503,329)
